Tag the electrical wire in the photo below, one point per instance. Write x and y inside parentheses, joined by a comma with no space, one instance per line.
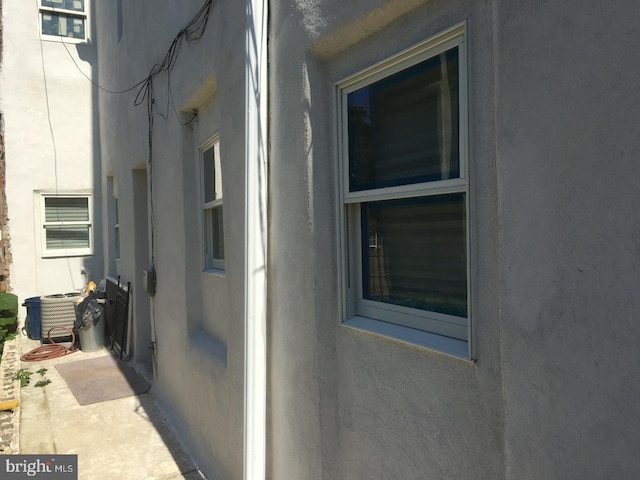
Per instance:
(53,138)
(193,31)
(95,84)
(46,97)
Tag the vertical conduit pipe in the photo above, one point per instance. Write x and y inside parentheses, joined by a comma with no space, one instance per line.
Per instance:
(255,241)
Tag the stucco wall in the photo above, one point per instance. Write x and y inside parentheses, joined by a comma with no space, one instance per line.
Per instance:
(50,141)
(344,403)
(553,306)
(568,167)
(554,229)
(196,317)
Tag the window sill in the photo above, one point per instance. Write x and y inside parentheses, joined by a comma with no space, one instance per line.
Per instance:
(68,40)
(452,347)
(67,254)
(205,344)
(216,272)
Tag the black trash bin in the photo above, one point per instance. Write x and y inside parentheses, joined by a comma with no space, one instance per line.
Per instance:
(34,321)
(90,322)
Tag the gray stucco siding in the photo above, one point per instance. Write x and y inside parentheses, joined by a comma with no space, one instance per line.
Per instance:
(567,149)
(371,407)
(553,241)
(197,316)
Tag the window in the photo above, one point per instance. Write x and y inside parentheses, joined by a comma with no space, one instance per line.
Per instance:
(64,18)
(212,218)
(120,19)
(402,130)
(116,230)
(67,225)
(113,217)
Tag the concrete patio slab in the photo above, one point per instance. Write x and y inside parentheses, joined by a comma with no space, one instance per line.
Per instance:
(125,438)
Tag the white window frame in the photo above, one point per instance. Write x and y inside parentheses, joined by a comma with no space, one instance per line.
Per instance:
(213,265)
(63,11)
(66,252)
(446,333)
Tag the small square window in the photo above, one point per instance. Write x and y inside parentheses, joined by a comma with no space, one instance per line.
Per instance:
(212,219)
(403,155)
(67,225)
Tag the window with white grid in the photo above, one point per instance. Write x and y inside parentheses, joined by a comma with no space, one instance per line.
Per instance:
(64,19)
(212,211)
(67,225)
(403,159)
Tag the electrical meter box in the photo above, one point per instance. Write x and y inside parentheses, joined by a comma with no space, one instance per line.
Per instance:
(149,281)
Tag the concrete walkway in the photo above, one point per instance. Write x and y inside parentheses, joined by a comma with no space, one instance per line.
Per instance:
(126,438)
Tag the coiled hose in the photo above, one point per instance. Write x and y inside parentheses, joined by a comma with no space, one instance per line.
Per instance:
(52,349)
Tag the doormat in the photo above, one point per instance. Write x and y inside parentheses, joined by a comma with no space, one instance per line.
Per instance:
(100,379)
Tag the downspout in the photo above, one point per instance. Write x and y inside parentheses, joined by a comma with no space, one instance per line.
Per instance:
(255,241)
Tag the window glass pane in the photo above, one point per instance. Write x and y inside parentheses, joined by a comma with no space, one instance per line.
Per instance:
(76,5)
(67,237)
(403,129)
(63,25)
(66,209)
(119,16)
(414,253)
(209,175)
(50,24)
(116,243)
(116,215)
(213,236)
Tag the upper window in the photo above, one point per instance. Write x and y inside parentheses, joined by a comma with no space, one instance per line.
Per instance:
(67,225)
(403,137)
(64,18)
(212,217)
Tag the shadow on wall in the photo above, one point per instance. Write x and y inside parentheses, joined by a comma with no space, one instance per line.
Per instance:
(94,266)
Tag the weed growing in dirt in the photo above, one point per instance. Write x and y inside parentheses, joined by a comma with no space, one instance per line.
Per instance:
(24,375)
